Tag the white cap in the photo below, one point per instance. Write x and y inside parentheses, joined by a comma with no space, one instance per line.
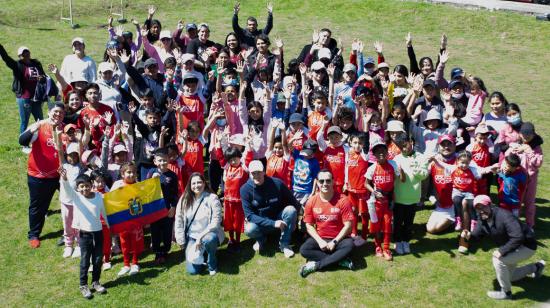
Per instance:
(237,139)
(22,49)
(104,66)
(78,78)
(165,34)
(395,126)
(119,148)
(482,129)
(187,57)
(255,166)
(383,65)
(324,53)
(349,68)
(72,148)
(318,65)
(77,39)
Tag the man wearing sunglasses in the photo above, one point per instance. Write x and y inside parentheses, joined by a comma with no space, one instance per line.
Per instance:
(328,217)
(516,242)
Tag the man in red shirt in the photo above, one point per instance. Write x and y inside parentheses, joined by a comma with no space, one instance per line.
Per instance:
(42,172)
(328,217)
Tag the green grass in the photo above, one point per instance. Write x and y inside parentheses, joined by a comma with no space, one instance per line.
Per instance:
(509,51)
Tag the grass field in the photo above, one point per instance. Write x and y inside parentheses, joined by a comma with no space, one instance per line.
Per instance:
(509,51)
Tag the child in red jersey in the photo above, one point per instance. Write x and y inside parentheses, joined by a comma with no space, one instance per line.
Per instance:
(356,167)
(131,241)
(317,116)
(481,156)
(463,175)
(394,129)
(235,174)
(194,146)
(99,185)
(278,156)
(380,183)
(191,103)
(334,158)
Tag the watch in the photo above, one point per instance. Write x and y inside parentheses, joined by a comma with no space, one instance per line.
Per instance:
(335,241)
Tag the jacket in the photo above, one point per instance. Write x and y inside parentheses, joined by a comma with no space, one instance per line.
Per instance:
(248,37)
(18,70)
(215,209)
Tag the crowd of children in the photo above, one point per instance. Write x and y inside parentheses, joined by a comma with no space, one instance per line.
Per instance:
(188,105)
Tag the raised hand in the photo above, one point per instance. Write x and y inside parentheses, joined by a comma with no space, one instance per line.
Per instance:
(270,7)
(444,56)
(52,68)
(110,21)
(119,29)
(180,25)
(444,41)
(330,70)
(144,31)
(315,37)
(151,11)
(135,22)
(410,78)
(360,46)
(303,68)
(378,47)
(279,43)
(240,66)
(446,95)
(108,116)
(124,56)
(164,130)
(237,7)
(354,46)
(132,107)
(408,39)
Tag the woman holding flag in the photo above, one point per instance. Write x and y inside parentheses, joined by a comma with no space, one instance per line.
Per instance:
(198,225)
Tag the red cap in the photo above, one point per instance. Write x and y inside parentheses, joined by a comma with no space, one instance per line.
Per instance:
(482,199)
(442,138)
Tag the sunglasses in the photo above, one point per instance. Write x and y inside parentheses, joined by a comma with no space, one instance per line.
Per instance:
(323,181)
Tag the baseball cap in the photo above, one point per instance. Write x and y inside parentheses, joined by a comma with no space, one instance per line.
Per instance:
(112,44)
(79,78)
(447,137)
(21,49)
(481,129)
(187,57)
(395,126)
(189,76)
(119,148)
(255,166)
(165,34)
(73,148)
(456,72)
(334,129)
(68,127)
(87,156)
(190,26)
(377,144)
(429,83)
(281,98)
(383,65)
(527,128)
(296,118)
(104,67)
(369,60)
(349,67)
(237,139)
(482,199)
(455,83)
(433,114)
(324,53)
(308,148)
(150,62)
(318,65)
(77,39)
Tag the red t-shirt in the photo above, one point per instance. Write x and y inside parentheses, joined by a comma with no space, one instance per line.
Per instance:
(334,160)
(443,184)
(234,178)
(314,123)
(192,110)
(393,150)
(194,155)
(356,167)
(481,155)
(43,160)
(463,180)
(383,178)
(328,216)
(182,171)
(97,131)
(277,166)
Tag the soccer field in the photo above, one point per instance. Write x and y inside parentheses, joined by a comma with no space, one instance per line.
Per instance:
(510,52)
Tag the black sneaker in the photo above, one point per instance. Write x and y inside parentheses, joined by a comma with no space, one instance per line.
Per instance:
(346,263)
(61,241)
(98,287)
(85,291)
(540,269)
(308,268)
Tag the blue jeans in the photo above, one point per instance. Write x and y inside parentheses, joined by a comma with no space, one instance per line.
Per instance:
(210,242)
(288,215)
(26,108)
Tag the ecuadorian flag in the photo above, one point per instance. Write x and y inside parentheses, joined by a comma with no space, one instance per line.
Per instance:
(135,205)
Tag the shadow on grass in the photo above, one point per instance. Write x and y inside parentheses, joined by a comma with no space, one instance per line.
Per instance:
(52,235)
(533,289)
(229,262)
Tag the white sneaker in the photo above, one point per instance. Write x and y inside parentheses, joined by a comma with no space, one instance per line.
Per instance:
(134,269)
(212,273)
(406,247)
(399,248)
(106,266)
(67,252)
(76,252)
(26,150)
(90,268)
(288,252)
(432,200)
(256,247)
(123,271)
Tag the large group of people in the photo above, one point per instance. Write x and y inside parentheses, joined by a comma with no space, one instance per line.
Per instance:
(327,148)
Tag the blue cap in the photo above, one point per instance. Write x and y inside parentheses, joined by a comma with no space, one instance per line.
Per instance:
(190,26)
(369,60)
(456,72)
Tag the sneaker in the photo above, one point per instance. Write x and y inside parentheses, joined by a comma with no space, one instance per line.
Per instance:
(540,268)
(499,295)
(98,287)
(123,271)
(462,246)
(212,272)
(61,241)
(90,268)
(358,241)
(85,291)
(26,150)
(387,255)
(458,224)
(378,252)
(76,252)
(134,269)
(473,224)
(106,266)
(289,253)
(256,247)
(308,268)
(67,252)
(406,247)
(432,199)
(346,263)
(34,243)
(399,248)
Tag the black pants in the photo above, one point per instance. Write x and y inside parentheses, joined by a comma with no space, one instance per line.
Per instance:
(91,246)
(311,251)
(403,218)
(161,236)
(215,173)
(41,193)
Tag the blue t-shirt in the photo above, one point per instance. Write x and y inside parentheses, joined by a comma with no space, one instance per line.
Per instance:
(511,187)
(305,172)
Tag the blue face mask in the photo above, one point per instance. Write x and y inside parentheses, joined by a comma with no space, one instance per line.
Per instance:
(514,120)
(221,121)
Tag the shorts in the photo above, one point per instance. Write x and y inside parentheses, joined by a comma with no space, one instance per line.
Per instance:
(462,194)
(359,202)
(441,213)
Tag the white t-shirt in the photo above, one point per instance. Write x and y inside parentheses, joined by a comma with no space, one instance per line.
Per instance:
(86,211)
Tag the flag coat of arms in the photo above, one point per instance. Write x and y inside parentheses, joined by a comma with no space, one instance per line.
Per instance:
(135,205)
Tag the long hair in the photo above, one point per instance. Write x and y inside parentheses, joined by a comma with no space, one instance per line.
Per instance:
(188,197)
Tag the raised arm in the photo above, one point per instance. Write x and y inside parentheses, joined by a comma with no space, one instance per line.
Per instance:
(412,57)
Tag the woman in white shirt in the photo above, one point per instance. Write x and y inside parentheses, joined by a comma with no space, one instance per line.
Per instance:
(198,225)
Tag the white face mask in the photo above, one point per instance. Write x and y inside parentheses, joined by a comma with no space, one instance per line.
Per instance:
(374,127)
(457,96)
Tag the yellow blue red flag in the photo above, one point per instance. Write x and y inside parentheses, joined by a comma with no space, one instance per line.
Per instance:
(135,205)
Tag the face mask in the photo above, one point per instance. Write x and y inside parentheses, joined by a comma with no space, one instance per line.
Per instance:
(221,121)
(514,120)
(370,70)
(457,96)
(374,127)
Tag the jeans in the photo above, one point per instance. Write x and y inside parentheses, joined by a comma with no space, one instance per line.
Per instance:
(288,215)
(26,108)
(41,193)
(210,243)
(91,246)
(161,234)
(403,218)
(312,252)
